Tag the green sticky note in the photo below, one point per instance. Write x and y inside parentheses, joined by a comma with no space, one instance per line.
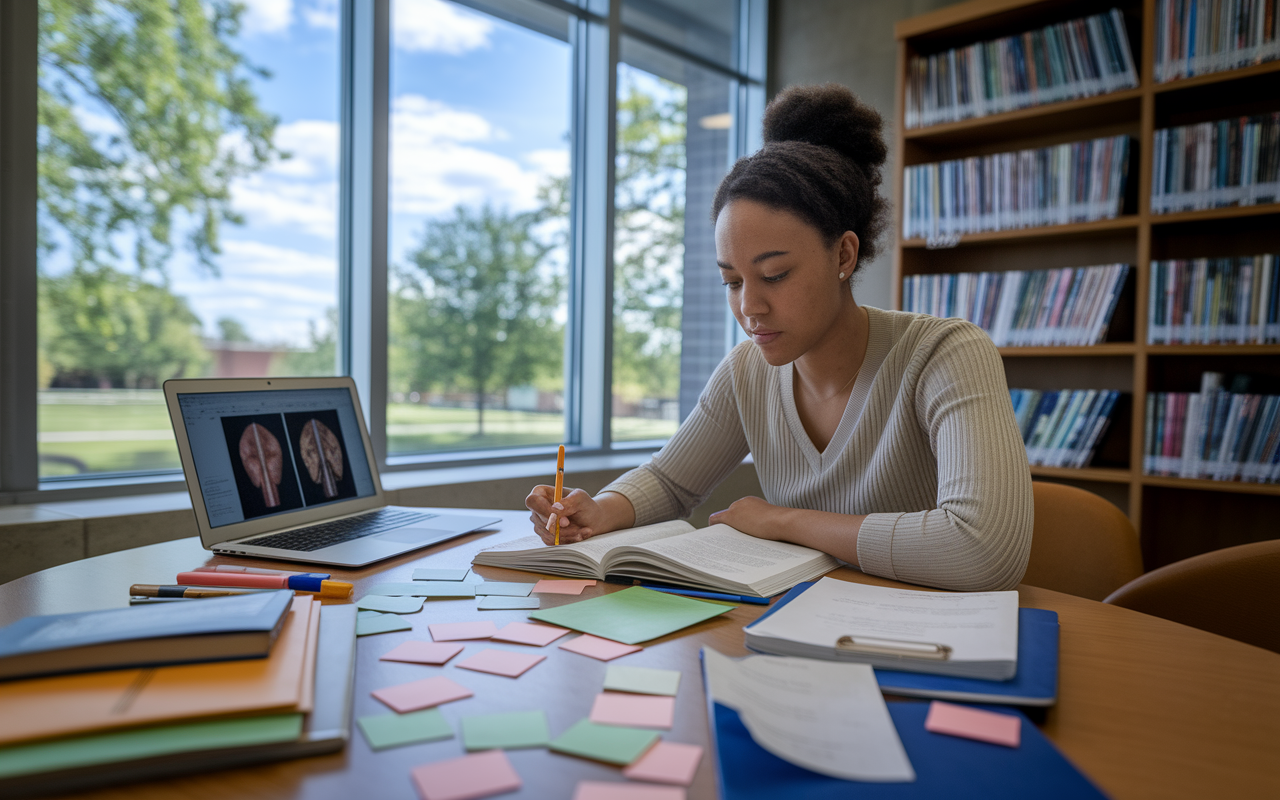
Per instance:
(504,589)
(392,605)
(505,731)
(630,616)
(498,603)
(642,680)
(392,730)
(163,740)
(440,574)
(446,589)
(380,623)
(608,743)
(367,614)
(406,589)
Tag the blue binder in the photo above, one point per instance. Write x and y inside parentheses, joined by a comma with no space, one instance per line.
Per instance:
(1036,683)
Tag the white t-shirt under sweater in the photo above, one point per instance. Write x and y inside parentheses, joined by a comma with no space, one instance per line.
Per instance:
(928,447)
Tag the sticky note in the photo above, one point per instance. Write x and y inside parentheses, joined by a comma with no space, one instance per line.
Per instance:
(447,589)
(419,652)
(632,615)
(440,574)
(602,790)
(504,589)
(502,662)
(453,631)
(363,614)
(392,730)
(391,605)
(466,778)
(405,589)
(594,646)
(561,587)
(505,731)
(527,633)
(421,694)
(380,623)
(974,723)
(642,680)
(607,743)
(634,710)
(498,603)
(667,762)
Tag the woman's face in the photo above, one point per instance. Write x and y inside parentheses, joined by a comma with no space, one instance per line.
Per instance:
(783,280)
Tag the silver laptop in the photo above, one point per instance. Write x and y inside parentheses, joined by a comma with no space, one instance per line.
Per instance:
(282,468)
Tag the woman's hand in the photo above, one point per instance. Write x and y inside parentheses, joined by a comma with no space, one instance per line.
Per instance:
(580,516)
(754,516)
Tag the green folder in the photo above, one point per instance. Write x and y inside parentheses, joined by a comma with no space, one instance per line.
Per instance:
(632,615)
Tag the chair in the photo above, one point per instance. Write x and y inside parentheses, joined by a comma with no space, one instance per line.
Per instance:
(1082,544)
(1230,592)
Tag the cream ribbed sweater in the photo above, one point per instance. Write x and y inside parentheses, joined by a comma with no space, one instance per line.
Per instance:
(927,447)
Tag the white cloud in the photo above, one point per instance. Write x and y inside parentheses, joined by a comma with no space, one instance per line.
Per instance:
(437,26)
(300,192)
(322,14)
(267,16)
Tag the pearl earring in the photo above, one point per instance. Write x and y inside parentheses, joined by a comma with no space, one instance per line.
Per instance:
(841,276)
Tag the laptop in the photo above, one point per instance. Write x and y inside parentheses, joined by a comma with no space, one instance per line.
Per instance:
(282,468)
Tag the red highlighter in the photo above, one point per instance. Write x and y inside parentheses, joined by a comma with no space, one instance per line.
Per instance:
(301,583)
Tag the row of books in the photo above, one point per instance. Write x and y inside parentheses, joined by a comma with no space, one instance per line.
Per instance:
(1063,428)
(1024,308)
(1195,37)
(1215,300)
(1223,434)
(1074,182)
(1230,162)
(1078,58)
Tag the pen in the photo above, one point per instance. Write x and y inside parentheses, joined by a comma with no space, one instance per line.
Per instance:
(324,576)
(300,583)
(559,487)
(150,590)
(662,587)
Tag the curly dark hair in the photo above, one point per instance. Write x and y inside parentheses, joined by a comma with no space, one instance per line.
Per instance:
(820,161)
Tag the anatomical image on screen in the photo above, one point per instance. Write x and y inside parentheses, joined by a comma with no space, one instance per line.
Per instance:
(262,464)
(323,467)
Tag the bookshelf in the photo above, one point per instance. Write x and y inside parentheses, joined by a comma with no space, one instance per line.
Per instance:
(1176,517)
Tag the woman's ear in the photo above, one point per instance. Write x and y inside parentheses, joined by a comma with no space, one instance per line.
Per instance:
(847,254)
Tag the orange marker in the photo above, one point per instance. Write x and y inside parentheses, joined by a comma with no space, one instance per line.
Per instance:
(559,487)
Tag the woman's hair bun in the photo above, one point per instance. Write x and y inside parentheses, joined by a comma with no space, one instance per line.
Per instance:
(829,115)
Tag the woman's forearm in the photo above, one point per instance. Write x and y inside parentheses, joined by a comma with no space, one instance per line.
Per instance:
(833,534)
(618,513)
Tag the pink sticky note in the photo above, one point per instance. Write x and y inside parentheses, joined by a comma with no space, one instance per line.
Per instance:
(561,587)
(634,710)
(528,633)
(667,762)
(599,790)
(420,652)
(974,723)
(502,662)
(453,631)
(466,778)
(422,694)
(594,646)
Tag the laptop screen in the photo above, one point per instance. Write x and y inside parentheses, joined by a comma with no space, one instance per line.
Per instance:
(264,453)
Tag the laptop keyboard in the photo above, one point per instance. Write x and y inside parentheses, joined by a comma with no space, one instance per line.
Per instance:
(340,530)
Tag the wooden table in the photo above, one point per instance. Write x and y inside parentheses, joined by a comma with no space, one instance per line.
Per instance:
(1147,708)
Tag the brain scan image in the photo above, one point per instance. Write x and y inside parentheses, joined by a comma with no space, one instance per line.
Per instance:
(263,460)
(322,454)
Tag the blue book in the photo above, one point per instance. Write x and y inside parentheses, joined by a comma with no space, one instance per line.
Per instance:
(1036,683)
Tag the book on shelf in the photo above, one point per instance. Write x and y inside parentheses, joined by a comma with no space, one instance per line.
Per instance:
(1224,432)
(1056,185)
(1214,300)
(1228,162)
(1197,38)
(717,558)
(1063,428)
(1025,308)
(1077,58)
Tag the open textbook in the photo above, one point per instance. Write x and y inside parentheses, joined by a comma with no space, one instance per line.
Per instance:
(717,558)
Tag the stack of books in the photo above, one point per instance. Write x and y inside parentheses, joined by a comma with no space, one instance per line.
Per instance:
(1078,58)
(1195,37)
(1224,432)
(1230,162)
(1025,308)
(1063,428)
(1215,300)
(1074,182)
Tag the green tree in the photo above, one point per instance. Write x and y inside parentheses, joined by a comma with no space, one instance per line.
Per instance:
(321,355)
(475,305)
(231,329)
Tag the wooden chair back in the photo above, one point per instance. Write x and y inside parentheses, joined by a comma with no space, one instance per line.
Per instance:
(1082,544)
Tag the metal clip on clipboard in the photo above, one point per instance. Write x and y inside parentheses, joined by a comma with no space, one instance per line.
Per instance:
(893,647)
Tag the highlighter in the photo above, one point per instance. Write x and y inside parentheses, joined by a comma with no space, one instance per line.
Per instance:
(299,583)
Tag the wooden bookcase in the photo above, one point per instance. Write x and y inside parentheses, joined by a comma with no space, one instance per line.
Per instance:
(1175,517)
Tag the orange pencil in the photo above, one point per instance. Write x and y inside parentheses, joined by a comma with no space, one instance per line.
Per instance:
(559,487)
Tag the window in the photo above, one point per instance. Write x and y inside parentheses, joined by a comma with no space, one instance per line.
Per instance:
(491,213)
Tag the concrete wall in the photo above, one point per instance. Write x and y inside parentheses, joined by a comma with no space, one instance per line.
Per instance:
(849,42)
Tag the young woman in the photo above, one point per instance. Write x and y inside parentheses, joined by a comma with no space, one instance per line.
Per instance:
(883,438)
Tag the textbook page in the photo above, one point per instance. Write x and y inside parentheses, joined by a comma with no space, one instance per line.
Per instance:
(723,552)
(594,549)
(823,716)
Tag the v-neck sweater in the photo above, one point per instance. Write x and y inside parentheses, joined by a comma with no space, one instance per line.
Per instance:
(928,448)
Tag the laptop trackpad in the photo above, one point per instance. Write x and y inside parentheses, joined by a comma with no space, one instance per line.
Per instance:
(411,535)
